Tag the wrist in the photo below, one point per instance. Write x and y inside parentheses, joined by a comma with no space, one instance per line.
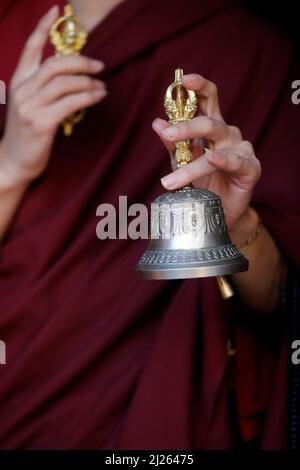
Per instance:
(246,229)
(11,177)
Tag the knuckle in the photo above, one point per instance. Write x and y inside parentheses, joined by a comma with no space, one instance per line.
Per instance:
(237,158)
(235,132)
(247,147)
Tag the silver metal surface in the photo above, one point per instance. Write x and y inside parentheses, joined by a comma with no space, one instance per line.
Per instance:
(189,238)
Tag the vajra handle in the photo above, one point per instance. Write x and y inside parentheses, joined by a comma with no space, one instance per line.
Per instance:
(68,36)
(181,109)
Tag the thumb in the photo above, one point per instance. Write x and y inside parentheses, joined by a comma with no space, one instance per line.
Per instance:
(32,53)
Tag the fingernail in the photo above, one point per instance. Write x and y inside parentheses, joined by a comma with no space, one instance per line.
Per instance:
(170,132)
(97,65)
(170,181)
(52,13)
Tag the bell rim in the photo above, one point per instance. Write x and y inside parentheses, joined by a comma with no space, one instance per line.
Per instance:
(190,271)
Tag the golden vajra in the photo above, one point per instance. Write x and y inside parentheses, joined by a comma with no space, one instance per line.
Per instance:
(181,109)
(68,37)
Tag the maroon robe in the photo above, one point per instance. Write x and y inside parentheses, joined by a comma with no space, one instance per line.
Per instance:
(96,358)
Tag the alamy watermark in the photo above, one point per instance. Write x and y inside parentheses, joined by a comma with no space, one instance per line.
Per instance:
(116,224)
(296,93)
(133,221)
(295,358)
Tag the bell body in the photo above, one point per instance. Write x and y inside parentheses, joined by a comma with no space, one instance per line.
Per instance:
(189,238)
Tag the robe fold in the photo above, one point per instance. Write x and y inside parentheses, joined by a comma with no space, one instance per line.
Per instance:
(96,358)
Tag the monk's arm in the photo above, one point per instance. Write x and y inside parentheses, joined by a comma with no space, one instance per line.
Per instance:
(259,286)
(38,102)
(11,193)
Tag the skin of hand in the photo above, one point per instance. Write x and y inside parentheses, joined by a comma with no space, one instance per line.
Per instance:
(41,96)
(228,167)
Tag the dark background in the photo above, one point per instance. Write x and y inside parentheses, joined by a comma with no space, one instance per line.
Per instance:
(284,15)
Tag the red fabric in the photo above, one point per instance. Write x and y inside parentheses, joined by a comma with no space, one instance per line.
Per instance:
(95,357)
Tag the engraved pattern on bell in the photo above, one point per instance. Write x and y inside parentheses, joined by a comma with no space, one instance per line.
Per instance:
(189,238)
(190,256)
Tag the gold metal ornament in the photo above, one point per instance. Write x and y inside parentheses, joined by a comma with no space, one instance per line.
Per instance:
(181,109)
(68,36)
(189,237)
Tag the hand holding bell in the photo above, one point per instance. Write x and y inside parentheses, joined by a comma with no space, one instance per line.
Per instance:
(188,229)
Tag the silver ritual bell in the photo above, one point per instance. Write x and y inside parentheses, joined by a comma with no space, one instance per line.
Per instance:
(188,230)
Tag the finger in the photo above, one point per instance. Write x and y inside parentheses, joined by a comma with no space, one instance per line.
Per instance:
(55,66)
(201,126)
(198,149)
(33,50)
(245,148)
(194,170)
(208,95)
(246,170)
(159,125)
(64,85)
(197,146)
(57,112)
